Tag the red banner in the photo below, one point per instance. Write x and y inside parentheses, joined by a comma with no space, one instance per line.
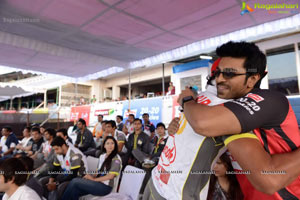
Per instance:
(8,111)
(81,112)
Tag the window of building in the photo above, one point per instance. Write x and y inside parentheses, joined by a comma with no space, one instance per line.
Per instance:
(191,81)
(282,70)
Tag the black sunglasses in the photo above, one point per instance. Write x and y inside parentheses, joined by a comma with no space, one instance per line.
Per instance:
(227,74)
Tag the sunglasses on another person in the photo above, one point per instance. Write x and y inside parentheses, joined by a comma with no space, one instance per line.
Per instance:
(227,74)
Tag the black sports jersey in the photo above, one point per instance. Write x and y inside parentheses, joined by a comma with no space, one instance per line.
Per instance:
(269,115)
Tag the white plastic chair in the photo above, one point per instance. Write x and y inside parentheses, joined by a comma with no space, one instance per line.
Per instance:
(92,163)
(130,186)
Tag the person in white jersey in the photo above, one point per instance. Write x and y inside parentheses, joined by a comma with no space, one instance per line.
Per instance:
(184,160)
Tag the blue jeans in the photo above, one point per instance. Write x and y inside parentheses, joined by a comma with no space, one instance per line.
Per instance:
(79,187)
(6,157)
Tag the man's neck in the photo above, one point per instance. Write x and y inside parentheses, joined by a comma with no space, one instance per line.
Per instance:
(138,132)
(12,189)
(113,133)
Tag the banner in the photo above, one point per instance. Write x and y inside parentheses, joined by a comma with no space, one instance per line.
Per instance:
(109,110)
(81,112)
(40,111)
(152,106)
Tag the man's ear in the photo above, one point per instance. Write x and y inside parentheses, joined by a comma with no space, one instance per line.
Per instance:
(252,80)
(11,181)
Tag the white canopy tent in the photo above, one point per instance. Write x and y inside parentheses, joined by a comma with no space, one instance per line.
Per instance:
(10,92)
(95,39)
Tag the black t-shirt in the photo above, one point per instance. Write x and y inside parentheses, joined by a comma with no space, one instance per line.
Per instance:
(269,115)
(36,144)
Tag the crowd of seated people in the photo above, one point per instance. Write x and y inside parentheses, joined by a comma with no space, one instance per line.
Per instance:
(57,168)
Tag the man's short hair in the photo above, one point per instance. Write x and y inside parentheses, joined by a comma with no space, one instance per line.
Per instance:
(104,122)
(10,169)
(120,116)
(145,114)
(160,124)
(27,162)
(41,126)
(137,119)
(112,123)
(63,131)
(58,141)
(255,59)
(35,129)
(100,116)
(28,128)
(51,132)
(8,128)
(131,115)
(82,121)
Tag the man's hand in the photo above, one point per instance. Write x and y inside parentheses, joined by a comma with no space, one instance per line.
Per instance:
(185,93)
(30,153)
(173,126)
(51,186)
(88,177)
(19,146)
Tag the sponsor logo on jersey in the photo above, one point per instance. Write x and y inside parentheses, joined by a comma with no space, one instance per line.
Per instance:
(202,99)
(255,97)
(168,155)
(164,176)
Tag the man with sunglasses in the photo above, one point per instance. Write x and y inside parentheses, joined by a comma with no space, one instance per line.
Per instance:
(257,118)
(192,185)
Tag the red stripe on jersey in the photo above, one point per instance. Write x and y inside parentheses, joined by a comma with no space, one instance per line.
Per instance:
(279,140)
(250,193)
(290,127)
(285,137)
(276,143)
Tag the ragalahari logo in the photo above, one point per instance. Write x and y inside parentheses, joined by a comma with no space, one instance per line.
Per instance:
(246,9)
